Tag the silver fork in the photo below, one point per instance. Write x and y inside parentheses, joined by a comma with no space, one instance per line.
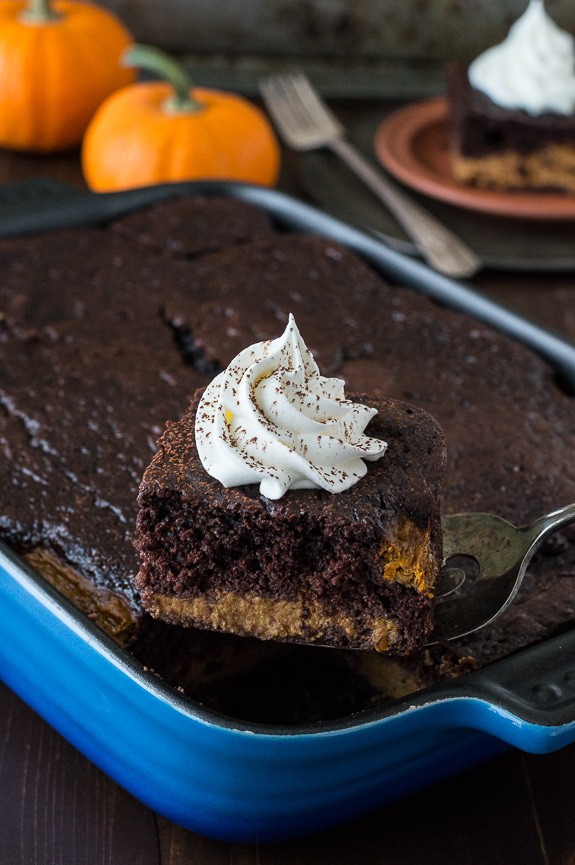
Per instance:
(306,123)
(485,559)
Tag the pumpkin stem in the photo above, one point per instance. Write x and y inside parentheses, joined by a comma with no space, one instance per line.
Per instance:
(154,60)
(39,12)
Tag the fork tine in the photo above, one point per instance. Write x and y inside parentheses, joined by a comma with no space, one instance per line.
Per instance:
(273,93)
(301,118)
(310,102)
(278,96)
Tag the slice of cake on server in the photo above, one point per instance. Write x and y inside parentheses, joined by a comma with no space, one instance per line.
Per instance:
(279,508)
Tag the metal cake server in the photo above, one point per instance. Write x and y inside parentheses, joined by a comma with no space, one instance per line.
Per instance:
(306,123)
(485,559)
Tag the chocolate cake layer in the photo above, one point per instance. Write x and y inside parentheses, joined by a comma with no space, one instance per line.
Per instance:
(353,569)
(481,127)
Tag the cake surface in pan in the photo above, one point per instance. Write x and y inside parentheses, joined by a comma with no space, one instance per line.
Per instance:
(92,367)
(104,336)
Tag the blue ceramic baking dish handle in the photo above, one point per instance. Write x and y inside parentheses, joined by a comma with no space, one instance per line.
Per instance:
(538,686)
(526,700)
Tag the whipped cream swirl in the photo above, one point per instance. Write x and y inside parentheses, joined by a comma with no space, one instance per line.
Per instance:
(271,418)
(533,69)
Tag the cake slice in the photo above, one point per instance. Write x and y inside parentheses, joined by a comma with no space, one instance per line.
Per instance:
(503,148)
(513,109)
(350,568)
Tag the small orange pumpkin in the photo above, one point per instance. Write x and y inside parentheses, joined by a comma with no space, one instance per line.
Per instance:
(58,62)
(163,131)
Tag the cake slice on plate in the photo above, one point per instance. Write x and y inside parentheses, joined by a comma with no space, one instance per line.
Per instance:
(512,111)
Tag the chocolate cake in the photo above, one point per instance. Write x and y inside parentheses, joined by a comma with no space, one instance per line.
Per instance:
(351,569)
(503,148)
(105,336)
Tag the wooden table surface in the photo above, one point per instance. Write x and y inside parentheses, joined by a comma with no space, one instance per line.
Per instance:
(517,809)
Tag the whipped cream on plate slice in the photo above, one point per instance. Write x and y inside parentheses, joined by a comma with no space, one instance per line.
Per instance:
(533,69)
(271,418)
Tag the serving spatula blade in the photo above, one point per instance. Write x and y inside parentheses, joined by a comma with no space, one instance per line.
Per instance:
(485,559)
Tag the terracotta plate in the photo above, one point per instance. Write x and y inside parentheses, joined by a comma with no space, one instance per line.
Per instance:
(412,144)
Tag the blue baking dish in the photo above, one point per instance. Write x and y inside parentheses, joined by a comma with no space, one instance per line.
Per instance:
(241,781)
